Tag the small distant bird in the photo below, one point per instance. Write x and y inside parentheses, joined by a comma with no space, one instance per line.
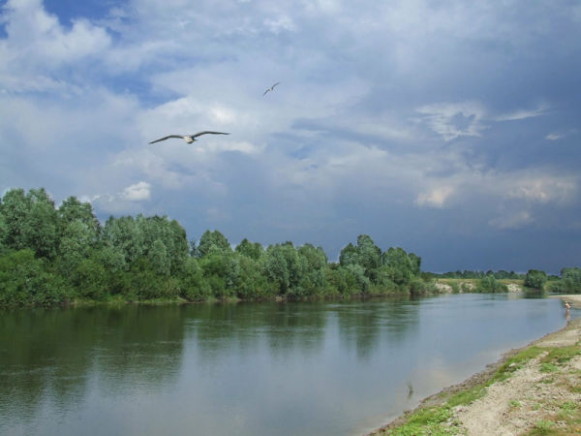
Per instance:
(270,89)
(189,138)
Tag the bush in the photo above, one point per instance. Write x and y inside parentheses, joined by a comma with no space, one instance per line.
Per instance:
(490,284)
(535,279)
(25,282)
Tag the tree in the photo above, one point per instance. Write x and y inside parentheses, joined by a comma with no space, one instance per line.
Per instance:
(249,249)
(571,278)
(126,236)
(282,267)
(365,254)
(535,279)
(213,242)
(24,281)
(72,210)
(30,221)
(349,255)
(489,284)
(401,266)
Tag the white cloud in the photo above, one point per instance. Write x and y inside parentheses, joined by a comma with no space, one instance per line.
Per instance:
(556,136)
(36,38)
(435,197)
(543,188)
(138,192)
(553,137)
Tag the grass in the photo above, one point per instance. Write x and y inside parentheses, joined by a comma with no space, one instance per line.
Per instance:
(542,427)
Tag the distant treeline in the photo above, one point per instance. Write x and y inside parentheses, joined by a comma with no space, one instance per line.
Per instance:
(569,279)
(468,274)
(53,256)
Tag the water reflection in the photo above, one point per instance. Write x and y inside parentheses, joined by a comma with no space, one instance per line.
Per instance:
(248,369)
(362,326)
(51,355)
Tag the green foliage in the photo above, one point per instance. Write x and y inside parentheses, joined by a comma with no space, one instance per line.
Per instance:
(490,284)
(30,221)
(562,354)
(213,242)
(401,266)
(542,427)
(25,280)
(535,279)
(249,249)
(468,274)
(571,279)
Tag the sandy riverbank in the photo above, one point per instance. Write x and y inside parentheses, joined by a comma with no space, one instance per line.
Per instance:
(539,391)
(574,300)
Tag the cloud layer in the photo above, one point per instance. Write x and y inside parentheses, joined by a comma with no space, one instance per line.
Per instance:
(447,128)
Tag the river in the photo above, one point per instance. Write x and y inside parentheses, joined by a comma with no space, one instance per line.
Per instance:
(249,369)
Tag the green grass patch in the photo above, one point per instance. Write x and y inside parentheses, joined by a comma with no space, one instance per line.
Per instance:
(569,406)
(514,363)
(562,354)
(542,427)
(514,404)
(548,367)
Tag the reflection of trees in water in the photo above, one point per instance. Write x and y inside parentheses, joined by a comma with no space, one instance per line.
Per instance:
(296,328)
(52,354)
(285,328)
(142,346)
(363,326)
(58,355)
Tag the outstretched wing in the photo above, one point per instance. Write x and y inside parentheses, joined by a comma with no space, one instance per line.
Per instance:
(167,137)
(270,89)
(208,132)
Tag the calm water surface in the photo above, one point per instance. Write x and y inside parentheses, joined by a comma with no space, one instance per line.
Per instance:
(249,369)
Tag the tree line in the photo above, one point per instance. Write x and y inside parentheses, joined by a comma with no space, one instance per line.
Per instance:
(57,255)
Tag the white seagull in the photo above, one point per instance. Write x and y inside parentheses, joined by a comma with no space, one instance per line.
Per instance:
(189,138)
(270,89)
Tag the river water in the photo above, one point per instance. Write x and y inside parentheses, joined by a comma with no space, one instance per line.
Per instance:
(249,369)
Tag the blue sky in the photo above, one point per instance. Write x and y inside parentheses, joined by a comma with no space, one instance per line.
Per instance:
(449,128)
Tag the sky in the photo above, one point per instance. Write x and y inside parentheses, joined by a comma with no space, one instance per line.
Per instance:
(451,129)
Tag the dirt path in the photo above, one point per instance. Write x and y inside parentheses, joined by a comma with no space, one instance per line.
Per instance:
(541,395)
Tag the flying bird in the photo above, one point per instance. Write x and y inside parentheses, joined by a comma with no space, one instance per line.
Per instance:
(270,89)
(189,138)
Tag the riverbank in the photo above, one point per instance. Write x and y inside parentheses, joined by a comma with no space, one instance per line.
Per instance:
(531,391)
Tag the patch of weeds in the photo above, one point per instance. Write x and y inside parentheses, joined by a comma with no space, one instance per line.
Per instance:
(542,427)
(514,403)
(548,367)
(466,397)
(516,362)
(569,405)
(571,385)
(562,354)
(431,421)
(423,430)
(570,415)
(432,415)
